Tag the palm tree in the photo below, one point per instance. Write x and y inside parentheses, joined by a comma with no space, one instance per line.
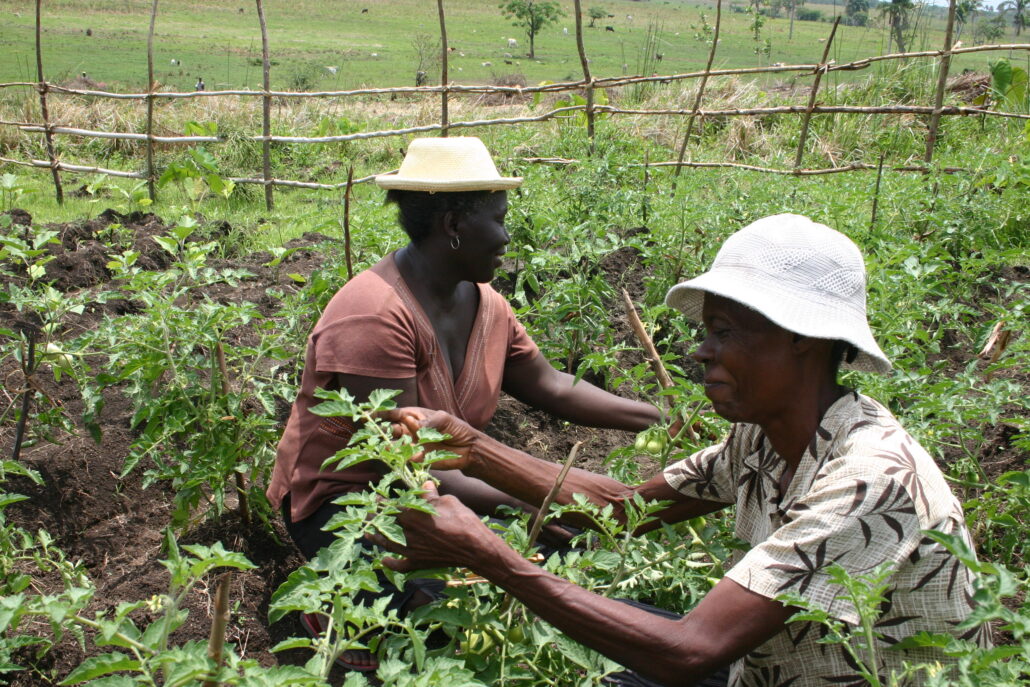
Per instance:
(898,12)
(1020,10)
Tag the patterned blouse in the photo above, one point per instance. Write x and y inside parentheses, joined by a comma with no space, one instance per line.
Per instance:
(860,497)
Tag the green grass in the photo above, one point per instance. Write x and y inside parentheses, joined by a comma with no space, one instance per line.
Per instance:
(223,45)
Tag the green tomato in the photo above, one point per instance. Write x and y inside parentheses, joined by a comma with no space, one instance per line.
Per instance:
(516,634)
(655,446)
(641,443)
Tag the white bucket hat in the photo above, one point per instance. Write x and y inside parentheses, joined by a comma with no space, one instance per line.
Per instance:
(447,164)
(804,276)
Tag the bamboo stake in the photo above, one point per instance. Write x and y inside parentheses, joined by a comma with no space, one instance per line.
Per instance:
(815,89)
(28,365)
(219,622)
(444,79)
(266,110)
(700,90)
(541,514)
(942,83)
(241,485)
(151,189)
(346,223)
(47,134)
(652,353)
(876,192)
(586,74)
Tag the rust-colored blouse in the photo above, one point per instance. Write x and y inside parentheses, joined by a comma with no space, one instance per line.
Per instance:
(375,327)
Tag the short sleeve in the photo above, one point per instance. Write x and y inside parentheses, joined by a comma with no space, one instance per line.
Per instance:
(521,348)
(709,474)
(368,345)
(857,519)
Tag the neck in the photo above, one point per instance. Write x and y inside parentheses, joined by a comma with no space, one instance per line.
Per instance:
(422,269)
(791,432)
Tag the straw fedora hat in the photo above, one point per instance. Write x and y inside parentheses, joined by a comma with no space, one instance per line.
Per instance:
(804,276)
(461,163)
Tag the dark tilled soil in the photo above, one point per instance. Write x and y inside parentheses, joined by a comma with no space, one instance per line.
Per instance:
(115,527)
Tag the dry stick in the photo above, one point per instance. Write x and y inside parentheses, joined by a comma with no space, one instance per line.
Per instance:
(266,109)
(820,70)
(219,621)
(346,222)
(26,396)
(876,192)
(652,353)
(151,190)
(541,515)
(700,91)
(586,74)
(241,485)
(444,79)
(942,82)
(47,134)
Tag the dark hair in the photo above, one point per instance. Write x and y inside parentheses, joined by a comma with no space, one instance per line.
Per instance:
(841,352)
(417,210)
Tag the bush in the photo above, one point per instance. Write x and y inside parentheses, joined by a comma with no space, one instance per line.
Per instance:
(809,15)
(857,19)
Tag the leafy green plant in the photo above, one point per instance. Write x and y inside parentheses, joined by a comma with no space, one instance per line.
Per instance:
(197,175)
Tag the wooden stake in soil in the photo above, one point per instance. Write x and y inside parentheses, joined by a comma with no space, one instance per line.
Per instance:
(444,79)
(346,223)
(266,110)
(876,192)
(942,82)
(241,484)
(151,190)
(700,91)
(541,515)
(47,131)
(219,621)
(652,353)
(28,365)
(820,70)
(587,80)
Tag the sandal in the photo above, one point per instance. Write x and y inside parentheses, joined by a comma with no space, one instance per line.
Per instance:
(312,624)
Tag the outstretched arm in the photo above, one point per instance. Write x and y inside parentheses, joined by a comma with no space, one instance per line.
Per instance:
(729,621)
(541,386)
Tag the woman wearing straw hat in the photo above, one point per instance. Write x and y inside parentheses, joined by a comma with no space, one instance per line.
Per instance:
(425,320)
(819,475)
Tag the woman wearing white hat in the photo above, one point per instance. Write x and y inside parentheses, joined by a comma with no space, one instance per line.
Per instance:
(425,320)
(819,475)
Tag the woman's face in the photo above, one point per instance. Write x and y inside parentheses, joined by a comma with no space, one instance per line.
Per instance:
(483,237)
(750,365)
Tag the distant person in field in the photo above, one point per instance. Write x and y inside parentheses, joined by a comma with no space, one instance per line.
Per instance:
(200,84)
(819,475)
(426,321)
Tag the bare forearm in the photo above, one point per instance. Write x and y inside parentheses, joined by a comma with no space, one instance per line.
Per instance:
(585,404)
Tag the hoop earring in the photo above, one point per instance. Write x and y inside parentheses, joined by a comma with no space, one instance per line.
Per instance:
(455,242)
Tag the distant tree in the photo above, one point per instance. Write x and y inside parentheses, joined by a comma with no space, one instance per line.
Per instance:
(596,13)
(532,16)
(898,14)
(856,12)
(1020,10)
(989,30)
(965,10)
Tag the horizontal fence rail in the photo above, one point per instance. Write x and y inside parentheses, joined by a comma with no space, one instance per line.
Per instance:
(591,109)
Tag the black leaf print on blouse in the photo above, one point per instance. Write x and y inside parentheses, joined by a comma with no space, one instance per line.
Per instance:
(804,629)
(803,576)
(950,565)
(702,479)
(904,470)
(754,478)
(761,675)
(886,621)
(893,501)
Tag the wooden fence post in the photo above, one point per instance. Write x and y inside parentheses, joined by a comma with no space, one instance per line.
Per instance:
(700,91)
(48,134)
(151,189)
(444,79)
(942,82)
(266,110)
(587,79)
(820,70)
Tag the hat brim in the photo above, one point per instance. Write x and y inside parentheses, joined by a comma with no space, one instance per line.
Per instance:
(393,181)
(688,298)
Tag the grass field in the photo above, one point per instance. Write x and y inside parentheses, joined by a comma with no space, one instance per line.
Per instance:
(309,40)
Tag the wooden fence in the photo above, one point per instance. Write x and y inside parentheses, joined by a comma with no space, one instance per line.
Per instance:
(588,85)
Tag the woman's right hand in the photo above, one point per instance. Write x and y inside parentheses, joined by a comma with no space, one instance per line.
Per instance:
(462,439)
